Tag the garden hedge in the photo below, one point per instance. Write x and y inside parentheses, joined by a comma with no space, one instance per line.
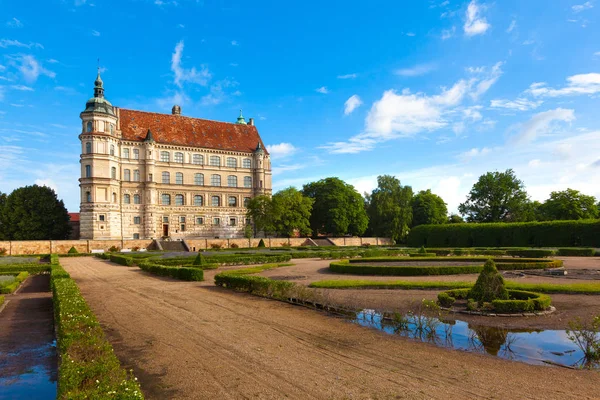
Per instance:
(12,286)
(521,301)
(570,252)
(120,259)
(13,269)
(537,253)
(517,234)
(1,300)
(181,273)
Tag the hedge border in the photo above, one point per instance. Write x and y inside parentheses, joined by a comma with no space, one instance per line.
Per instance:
(521,302)
(11,287)
(181,273)
(242,281)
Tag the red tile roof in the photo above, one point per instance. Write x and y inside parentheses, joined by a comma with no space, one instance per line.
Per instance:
(185,131)
(74,217)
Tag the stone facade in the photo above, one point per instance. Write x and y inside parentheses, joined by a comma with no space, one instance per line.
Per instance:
(149,175)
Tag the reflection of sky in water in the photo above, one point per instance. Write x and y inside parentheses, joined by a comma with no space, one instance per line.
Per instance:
(532,347)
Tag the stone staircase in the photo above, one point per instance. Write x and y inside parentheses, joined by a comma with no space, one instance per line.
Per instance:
(322,242)
(172,245)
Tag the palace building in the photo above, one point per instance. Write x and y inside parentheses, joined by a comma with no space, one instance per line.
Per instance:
(147,175)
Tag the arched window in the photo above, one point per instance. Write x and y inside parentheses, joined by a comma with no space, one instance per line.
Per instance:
(88,197)
(136,154)
(232,201)
(247,163)
(232,181)
(113,173)
(88,171)
(89,126)
(114,197)
(179,178)
(199,179)
(178,199)
(136,199)
(165,199)
(248,181)
(136,175)
(179,157)
(215,161)
(198,200)
(126,198)
(246,201)
(112,129)
(215,201)
(215,180)
(198,159)
(88,148)
(112,149)
(125,153)
(166,177)
(165,156)
(231,162)
(126,175)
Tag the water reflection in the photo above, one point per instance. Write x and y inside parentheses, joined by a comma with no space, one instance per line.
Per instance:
(29,373)
(540,347)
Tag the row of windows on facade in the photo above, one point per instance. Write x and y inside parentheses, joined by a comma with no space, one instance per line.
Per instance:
(182,220)
(165,156)
(107,126)
(165,199)
(215,179)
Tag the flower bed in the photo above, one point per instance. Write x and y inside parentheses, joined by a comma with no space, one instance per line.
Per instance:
(519,301)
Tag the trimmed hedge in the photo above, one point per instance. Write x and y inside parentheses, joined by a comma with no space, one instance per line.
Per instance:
(423,254)
(520,301)
(181,273)
(120,259)
(538,253)
(11,287)
(517,234)
(570,252)
(1,300)
(504,264)
(13,269)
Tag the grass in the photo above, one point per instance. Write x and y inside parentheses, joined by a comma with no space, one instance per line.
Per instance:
(573,288)
(9,286)
(255,270)
(1,300)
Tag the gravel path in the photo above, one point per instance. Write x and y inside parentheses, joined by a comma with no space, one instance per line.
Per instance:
(189,340)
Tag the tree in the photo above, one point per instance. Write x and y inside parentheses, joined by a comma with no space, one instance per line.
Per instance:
(291,212)
(428,208)
(455,219)
(569,204)
(496,197)
(338,209)
(260,212)
(390,208)
(2,203)
(34,213)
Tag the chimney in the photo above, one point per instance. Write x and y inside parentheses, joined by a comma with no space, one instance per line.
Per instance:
(251,122)
(176,110)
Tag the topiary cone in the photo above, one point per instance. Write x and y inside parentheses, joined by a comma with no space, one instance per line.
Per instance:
(489,286)
(199,260)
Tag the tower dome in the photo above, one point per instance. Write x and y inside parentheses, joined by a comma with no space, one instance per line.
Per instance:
(98,103)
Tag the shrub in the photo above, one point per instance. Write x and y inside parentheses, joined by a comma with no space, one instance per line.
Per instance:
(1,300)
(215,246)
(257,285)
(73,250)
(114,249)
(12,286)
(471,305)
(3,251)
(585,335)
(120,259)
(445,300)
(570,252)
(345,267)
(422,254)
(261,243)
(181,273)
(234,246)
(135,248)
(489,285)
(199,260)
(530,253)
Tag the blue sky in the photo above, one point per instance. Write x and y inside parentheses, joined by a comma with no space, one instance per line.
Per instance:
(433,92)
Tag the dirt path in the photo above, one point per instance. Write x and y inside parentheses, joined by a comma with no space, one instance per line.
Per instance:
(190,340)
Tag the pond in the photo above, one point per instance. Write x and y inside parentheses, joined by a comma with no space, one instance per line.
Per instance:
(539,347)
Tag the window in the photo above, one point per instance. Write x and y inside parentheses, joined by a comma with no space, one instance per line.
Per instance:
(198,159)
(136,175)
(126,153)
(179,178)
(101,217)
(216,201)
(112,129)
(215,161)
(166,177)
(260,184)
(247,163)
(232,201)
(215,180)
(246,201)
(89,127)
(231,162)
(182,227)
(166,200)
(165,156)
(137,199)
(182,219)
(150,178)
(198,200)
(199,221)
(199,179)
(178,199)
(232,221)
(136,154)
(88,148)
(88,197)
(88,171)
(127,175)
(136,236)
(179,157)
(232,181)
(165,220)
(112,149)
(217,221)
(248,181)
(113,173)
(126,198)
(136,220)
(114,197)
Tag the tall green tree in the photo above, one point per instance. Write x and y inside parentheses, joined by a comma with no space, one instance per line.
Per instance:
(260,211)
(496,197)
(455,219)
(428,208)
(338,209)
(34,213)
(291,212)
(2,203)
(569,204)
(390,208)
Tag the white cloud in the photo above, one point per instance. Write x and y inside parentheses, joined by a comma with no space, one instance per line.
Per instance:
(1,93)
(348,76)
(472,113)
(280,169)
(31,69)
(281,150)
(582,7)
(448,33)
(14,23)
(322,89)
(234,43)
(417,70)
(217,93)
(181,26)
(187,75)
(474,152)
(475,24)
(95,33)
(541,124)
(410,34)
(352,104)
(22,88)
(519,104)
(4,43)
(52,61)
(486,83)
(577,85)
(512,26)
(179,98)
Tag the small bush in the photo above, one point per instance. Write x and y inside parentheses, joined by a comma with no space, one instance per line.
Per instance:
(135,248)
(199,260)
(215,246)
(1,300)
(234,246)
(445,300)
(586,335)
(471,305)
(3,251)
(489,285)
(114,249)
(536,253)
(570,252)
(73,250)
(261,243)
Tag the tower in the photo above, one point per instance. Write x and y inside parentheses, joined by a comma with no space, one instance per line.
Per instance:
(262,171)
